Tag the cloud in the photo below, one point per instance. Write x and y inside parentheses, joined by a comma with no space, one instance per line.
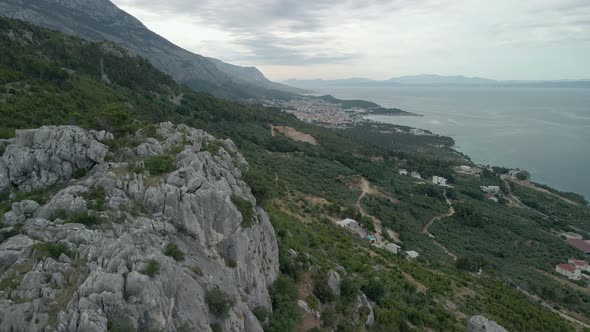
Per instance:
(501,39)
(278,32)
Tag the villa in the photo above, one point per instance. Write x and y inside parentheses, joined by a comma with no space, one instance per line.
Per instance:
(579,264)
(403,172)
(439,180)
(416,175)
(411,254)
(392,247)
(569,271)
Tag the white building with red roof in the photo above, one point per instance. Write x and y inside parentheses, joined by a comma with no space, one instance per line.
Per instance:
(568,270)
(579,264)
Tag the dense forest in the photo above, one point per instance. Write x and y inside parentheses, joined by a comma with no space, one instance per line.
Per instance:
(47,78)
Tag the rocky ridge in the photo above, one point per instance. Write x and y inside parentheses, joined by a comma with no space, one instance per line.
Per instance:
(129,242)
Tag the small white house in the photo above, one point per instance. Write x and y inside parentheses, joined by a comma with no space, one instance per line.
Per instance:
(348,223)
(439,180)
(493,190)
(411,254)
(392,247)
(416,175)
(570,271)
(579,264)
(403,172)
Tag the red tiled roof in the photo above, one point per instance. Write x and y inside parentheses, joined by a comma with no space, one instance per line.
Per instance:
(580,244)
(567,267)
(578,262)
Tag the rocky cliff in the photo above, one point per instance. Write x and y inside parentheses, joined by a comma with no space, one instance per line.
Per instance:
(162,235)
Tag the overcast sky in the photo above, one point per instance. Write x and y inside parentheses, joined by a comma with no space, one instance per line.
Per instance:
(380,39)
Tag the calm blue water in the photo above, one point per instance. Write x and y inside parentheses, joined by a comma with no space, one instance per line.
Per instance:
(543,130)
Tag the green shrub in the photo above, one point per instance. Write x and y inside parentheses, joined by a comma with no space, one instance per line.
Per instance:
(322,291)
(121,323)
(158,165)
(152,269)
(246,209)
(213,147)
(79,173)
(96,198)
(261,313)
(285,316)
(53,250)
(216,327)
(173,251)
(218,302)
(6,133)
(375,290)
(86,219)
(261,185)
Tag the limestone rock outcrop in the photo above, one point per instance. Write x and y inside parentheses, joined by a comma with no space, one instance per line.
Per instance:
(482,324)
(123,246)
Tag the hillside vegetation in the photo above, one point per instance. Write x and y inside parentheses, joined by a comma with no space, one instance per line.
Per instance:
(48,78)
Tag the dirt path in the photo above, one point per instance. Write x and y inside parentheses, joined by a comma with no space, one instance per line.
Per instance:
(425,230)
(293,134)
(566,282)
(530,185)
(367,189)
(537,299)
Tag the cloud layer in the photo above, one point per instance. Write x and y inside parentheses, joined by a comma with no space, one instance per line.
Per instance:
(381,38)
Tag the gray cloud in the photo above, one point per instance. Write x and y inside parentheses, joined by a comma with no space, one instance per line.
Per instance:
(266,27)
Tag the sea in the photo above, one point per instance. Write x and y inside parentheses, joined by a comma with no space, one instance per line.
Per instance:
(545,131)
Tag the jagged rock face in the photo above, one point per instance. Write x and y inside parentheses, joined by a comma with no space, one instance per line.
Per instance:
(102,278)
(481,324)
(37,159)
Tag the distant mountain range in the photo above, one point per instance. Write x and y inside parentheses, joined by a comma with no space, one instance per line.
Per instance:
(102,20)
(433,80)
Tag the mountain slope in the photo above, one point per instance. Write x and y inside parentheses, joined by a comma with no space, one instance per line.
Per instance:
(102,20)
(47,78)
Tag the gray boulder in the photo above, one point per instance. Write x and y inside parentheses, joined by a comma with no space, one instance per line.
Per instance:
(334,282)
(482,324)
(363,307)
(38,158)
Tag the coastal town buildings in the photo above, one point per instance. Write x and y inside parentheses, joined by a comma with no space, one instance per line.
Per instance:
(403,172)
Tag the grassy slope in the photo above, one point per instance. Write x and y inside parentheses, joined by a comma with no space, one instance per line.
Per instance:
(47,78)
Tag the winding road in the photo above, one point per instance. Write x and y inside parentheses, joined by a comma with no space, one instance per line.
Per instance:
(425,230)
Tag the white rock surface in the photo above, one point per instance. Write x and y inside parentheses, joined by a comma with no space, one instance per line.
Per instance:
(102,280)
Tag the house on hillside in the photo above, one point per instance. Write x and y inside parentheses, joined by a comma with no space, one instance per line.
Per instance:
(416,175)
(372,238)
(579,264)
(582,245)
(392,247)
(348,223)
(411,254)
(572,235)
(439,180)
(403,172)
(569,271)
